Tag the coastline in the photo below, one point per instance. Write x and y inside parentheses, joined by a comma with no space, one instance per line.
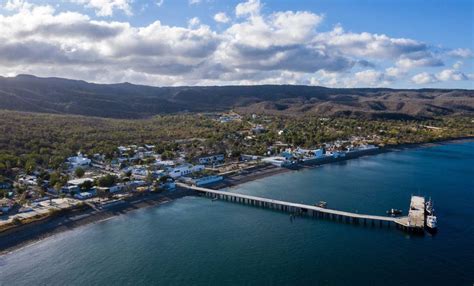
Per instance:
(13,239)
(16,238)
(267,171)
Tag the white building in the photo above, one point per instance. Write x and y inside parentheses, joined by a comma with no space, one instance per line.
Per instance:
(70,189)
(149,147)
(78,161)
(77,182)
(316,153)
(205,180)
(139,172)
(336,154)
(84,195)
(259,129)
(212,159)
(28,180)
(164,163)
(184,170)
(277,161)
(123,149)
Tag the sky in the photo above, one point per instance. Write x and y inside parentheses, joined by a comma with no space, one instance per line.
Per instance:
(334,43)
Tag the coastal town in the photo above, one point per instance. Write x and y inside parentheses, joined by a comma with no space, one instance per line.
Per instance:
(97,181)
(126,164)
(246,142)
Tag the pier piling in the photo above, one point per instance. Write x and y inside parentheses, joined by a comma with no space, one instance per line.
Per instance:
(314,211)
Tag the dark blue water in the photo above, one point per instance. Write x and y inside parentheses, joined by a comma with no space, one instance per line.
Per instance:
(194,241)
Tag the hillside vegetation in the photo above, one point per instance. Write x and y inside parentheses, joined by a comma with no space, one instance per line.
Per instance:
(64,96)
(33,139)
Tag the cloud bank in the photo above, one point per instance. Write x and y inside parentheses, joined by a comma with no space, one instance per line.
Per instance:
(251,48)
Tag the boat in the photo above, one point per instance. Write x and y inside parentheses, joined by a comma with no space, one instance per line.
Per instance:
(322,204)
(431,223)
(394,212)
(429,208)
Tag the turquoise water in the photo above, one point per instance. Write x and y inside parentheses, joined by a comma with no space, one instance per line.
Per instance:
(194,241)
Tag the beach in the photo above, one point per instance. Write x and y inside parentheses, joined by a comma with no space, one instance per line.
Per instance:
(198,241)
(25,234)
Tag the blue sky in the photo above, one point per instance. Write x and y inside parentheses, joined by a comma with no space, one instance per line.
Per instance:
(339,43)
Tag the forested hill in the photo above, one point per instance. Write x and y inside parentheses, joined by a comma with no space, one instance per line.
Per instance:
(124,100)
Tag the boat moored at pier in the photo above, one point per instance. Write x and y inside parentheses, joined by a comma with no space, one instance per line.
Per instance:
(431,223)
(429,207)
(394,212)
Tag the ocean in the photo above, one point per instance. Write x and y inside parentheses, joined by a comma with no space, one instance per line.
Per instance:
(197,241)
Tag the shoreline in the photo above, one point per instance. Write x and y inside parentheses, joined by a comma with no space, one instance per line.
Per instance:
(24,235)
(268,171)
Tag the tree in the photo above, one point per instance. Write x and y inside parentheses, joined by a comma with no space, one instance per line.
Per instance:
(57,177)
(106,181)
(30,165)
(101,193)
(164,179)
(87,185)
(57,187)
(167,155)
(150,178)
(79,172)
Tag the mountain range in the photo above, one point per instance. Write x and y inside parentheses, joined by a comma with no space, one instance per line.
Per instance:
(125,100)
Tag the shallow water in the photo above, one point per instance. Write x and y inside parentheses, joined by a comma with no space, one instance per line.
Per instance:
(194,241)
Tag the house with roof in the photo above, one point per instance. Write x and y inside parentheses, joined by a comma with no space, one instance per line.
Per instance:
(211,159)
(6,205)
(5,185)
(78,161)
(184,170)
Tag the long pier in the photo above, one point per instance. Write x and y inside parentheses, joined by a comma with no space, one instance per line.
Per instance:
(303,209)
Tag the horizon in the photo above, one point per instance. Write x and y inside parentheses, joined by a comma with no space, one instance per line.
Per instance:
(235,85)
(234,43)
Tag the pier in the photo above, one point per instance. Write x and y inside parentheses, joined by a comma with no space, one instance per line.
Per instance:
(407,223)
(415,221)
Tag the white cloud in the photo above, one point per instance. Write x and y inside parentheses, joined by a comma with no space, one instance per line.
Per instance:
(159,3)
(424,78)
(193,22)
(407,63)
(279,41)
(369,77)
(369,45)
(107,7)
(194,2)
(12,5)
(52,41)
(278,29)
(249,8)
(221,17)
(257,47)
(450,74)
(457,65)
(395,72)
(444,75)
(461,53)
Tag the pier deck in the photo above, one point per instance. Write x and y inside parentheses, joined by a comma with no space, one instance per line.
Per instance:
(416,214)
(308,209)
